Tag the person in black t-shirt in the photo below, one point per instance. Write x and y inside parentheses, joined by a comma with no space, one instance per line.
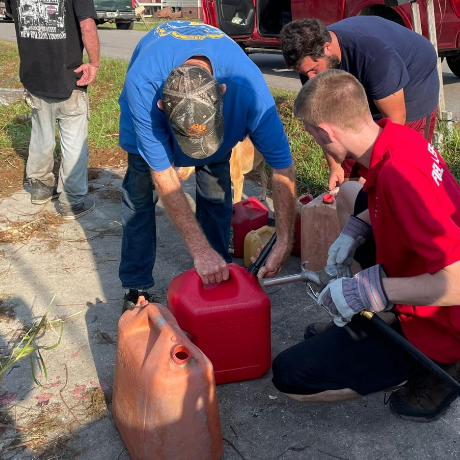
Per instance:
(396,66)
(51,36)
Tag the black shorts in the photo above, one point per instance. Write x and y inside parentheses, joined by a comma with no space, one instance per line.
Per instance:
(358,356)
(365,255)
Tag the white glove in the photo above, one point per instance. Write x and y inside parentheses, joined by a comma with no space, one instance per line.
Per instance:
(343,249)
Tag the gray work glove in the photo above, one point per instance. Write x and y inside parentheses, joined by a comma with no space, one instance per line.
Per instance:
(343,249)
(344,297)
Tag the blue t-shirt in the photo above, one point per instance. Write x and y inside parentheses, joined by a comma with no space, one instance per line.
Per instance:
(386,57)
(249,108)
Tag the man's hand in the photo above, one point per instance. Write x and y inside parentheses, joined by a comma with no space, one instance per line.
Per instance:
(336,176)
(277,257)
(89,74)
(345,297)
(343,249)
(211,267)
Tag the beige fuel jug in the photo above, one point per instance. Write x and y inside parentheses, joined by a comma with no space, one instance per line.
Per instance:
(320,228)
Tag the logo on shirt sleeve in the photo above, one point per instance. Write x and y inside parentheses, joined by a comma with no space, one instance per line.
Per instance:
(437,171)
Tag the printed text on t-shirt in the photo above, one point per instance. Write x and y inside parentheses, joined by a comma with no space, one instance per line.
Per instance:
(437,171)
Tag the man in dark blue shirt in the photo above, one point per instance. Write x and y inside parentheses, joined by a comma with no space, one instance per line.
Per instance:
(396,66)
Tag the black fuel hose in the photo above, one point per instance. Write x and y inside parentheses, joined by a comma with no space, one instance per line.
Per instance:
(415,352)
(255,266)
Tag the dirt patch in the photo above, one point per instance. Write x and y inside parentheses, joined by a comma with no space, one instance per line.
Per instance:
(12,170)
(44,225)
(13,165)
(7,308)
(103,157)
(111,195)
(93,174)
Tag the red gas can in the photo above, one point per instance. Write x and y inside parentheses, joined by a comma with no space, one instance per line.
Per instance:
(249,214)
(304,199)
(228,321)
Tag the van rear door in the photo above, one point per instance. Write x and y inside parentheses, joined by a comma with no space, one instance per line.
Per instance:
(326,11)
(235,17)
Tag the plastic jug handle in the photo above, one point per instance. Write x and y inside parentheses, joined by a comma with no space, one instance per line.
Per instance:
(201,285)
(158,320)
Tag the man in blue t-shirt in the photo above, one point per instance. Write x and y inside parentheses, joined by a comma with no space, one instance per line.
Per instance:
(396,66)
(190,95)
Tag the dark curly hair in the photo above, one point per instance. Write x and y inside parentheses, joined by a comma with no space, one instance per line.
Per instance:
(302,38)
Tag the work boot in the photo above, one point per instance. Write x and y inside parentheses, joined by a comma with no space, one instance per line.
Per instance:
(75,211)
(132,297)
(425,399)
(316,328)
(42,193)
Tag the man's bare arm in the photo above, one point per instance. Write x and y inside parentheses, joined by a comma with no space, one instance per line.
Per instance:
(283,189)
(209,264)
(91,43)
(441,288)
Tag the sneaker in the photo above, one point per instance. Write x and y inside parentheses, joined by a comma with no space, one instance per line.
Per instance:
(42,193)
(425,399)
(132,297)
(75,211)
(316,328)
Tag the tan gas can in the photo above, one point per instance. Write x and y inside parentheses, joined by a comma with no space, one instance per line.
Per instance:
(320,228)
(164,397)
(254,240)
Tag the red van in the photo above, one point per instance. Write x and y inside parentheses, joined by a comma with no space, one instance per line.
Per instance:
(256,24)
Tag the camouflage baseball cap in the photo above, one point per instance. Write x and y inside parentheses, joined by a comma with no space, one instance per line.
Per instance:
(192,102)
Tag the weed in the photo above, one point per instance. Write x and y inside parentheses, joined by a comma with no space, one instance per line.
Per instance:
(27,347)
(94,404)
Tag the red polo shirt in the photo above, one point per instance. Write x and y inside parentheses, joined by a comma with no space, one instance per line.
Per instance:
(414,207)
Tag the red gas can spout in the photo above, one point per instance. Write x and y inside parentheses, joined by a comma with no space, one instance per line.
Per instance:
(180,354)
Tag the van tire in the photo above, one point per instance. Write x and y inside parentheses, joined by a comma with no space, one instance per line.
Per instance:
(125,25)
(454,64)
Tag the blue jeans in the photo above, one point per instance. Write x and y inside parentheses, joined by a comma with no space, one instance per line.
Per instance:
(72,115)
(138,247)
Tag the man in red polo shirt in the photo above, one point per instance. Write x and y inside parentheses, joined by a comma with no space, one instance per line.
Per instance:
(414,216)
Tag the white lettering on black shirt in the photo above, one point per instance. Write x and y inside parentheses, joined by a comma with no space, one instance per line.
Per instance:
(42,19)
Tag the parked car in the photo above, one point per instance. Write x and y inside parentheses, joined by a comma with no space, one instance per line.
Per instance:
(121,12)
(3,15)
(256,24)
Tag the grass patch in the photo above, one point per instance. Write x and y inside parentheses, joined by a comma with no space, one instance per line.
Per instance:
(311,167)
